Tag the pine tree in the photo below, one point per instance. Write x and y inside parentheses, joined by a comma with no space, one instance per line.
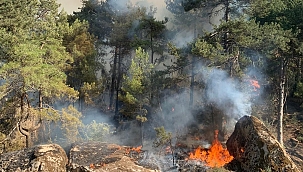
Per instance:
(135,88)
(152,34)
(120,41)
(99,16)
(287,16)
(80,44)
(136,85)
(33,61)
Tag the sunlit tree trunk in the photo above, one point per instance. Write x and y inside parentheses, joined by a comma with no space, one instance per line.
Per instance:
(281,99)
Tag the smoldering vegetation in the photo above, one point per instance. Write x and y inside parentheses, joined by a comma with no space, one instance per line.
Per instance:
(171,77)
(214,90)
(218,100)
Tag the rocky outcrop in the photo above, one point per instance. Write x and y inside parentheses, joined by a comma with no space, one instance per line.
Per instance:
(83,157)
(254,148)
(99,157)
(46,158)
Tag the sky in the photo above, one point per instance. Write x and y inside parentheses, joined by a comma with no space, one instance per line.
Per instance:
(70,5)
(73,5)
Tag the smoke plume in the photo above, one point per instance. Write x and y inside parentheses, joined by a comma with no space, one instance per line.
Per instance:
(226,93)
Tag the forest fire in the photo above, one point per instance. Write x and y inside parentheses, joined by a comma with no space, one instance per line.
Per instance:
(255,84)
(215,156)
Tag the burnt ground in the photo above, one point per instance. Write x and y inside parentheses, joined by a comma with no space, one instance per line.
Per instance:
(293,132)
(201,135)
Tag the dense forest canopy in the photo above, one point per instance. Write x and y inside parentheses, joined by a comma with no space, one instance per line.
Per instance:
(81,76)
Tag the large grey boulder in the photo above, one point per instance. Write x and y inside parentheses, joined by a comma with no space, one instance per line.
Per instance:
(255,149)
(46,158)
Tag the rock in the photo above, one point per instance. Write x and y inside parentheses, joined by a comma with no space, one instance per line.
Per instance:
(99,157)
(254,148)
(46,158)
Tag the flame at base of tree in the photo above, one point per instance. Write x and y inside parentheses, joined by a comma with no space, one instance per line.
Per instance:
(215,156)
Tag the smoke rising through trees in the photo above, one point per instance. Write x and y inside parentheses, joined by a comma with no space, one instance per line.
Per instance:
(203,66)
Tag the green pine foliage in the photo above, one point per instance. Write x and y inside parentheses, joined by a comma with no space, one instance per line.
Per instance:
(34,62)
(70,124)
(136,84)
(163,137)
(96,131)
(91,92)
(81,46)
(48,56)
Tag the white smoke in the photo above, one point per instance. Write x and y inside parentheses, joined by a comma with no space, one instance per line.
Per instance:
(226,93)
(120,6)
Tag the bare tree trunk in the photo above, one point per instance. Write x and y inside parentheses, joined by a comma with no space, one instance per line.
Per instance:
(192,80)
(27,132)
(118,81)
(28,124)
(112,88)
(226,18)
(299,74)
(300,68)
(151,45)
(172,151)
(281,100)
(142,133)
(152,61)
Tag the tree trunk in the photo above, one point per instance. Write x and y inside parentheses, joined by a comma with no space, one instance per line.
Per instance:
(112,88)
(298,72)
(142,133)
(151,45)
(28,124)
(118,81)
(152,61)
(226,18)
(300,68)
(281,100)
(27,132)
(192,80)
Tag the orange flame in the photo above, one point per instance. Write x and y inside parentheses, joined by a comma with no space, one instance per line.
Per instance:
(92,166)
(216,156)
(136,149)
(255,84)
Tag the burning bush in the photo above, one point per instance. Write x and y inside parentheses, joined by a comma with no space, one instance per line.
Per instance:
(215,156)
